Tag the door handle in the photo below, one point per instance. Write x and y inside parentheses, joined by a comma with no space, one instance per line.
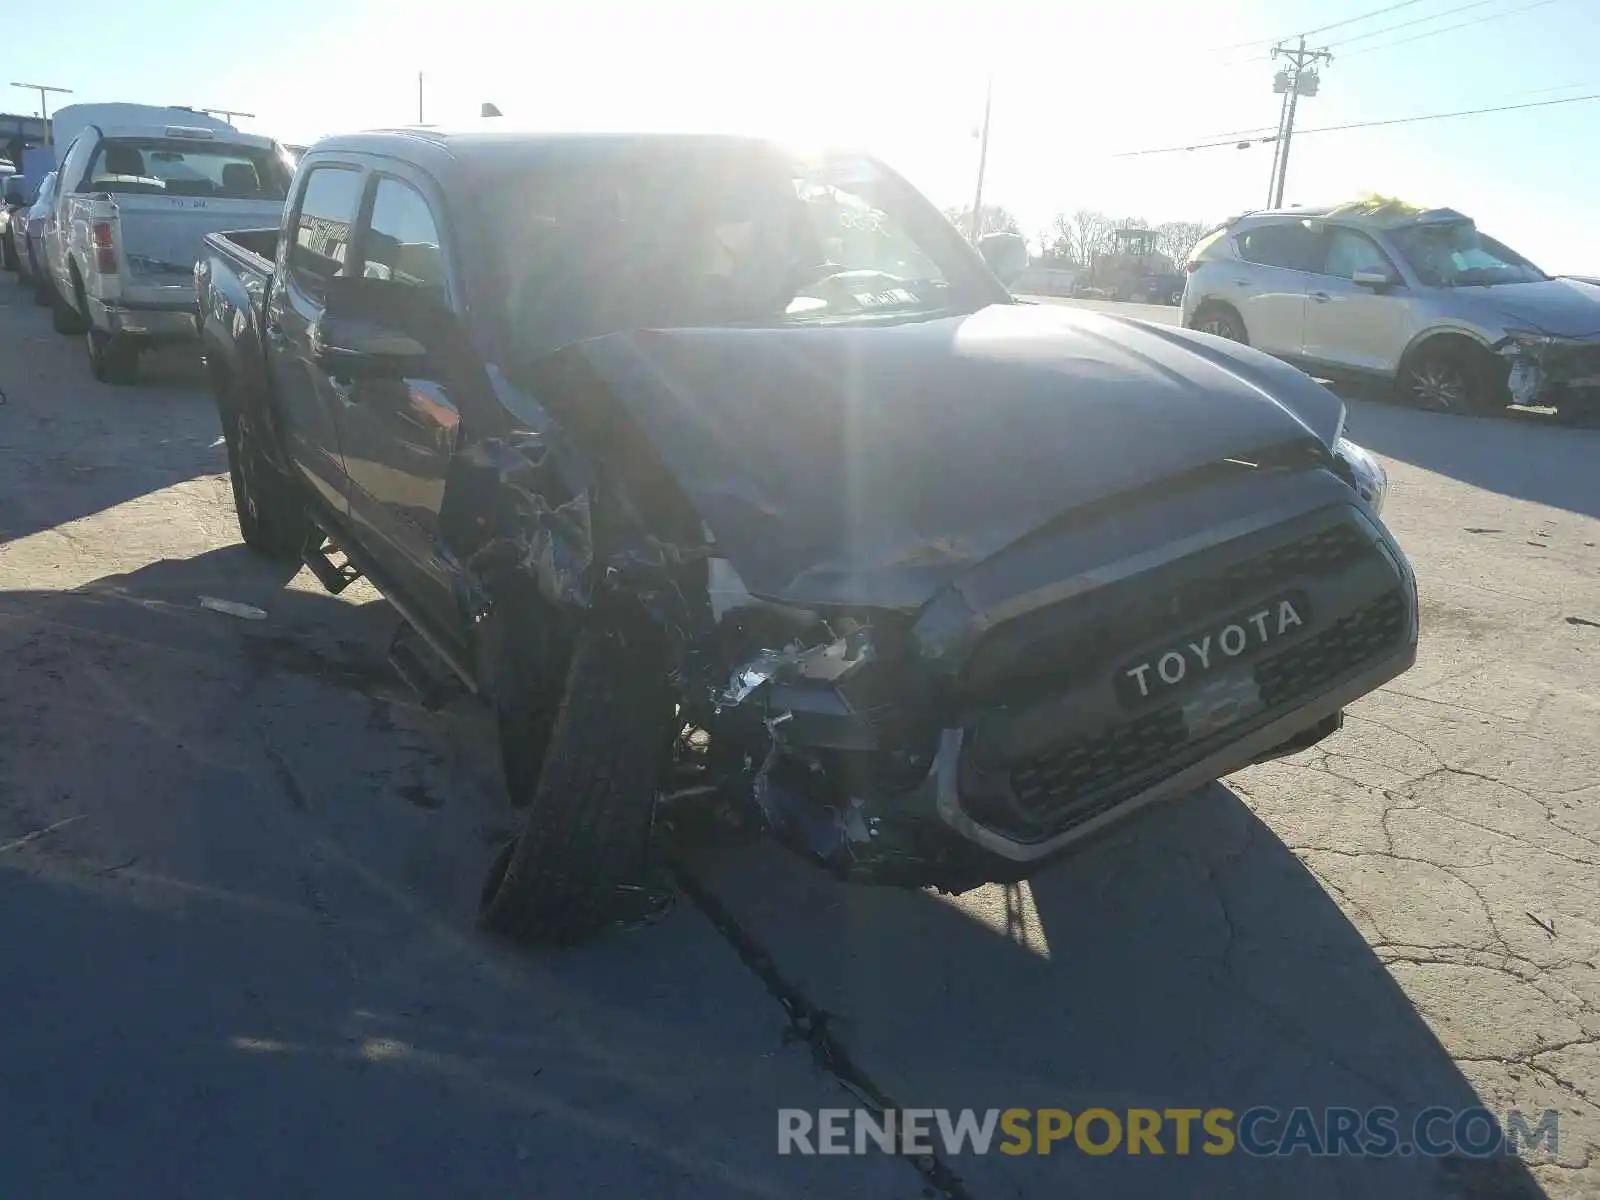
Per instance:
(1321,297)
(275,333)
(343,390)
(1241,283)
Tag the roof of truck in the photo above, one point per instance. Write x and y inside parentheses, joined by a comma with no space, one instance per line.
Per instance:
(480,145)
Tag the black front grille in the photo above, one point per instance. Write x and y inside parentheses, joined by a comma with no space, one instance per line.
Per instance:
(1078,637)
(1085,776)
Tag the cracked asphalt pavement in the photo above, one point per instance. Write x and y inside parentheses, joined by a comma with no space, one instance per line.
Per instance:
(238,868)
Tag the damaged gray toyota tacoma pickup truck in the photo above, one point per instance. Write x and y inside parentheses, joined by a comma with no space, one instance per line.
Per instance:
(732,477)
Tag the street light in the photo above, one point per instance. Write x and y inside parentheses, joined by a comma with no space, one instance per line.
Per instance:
(44,102)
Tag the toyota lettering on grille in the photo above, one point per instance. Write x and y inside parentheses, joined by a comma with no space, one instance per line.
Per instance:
(1209,652)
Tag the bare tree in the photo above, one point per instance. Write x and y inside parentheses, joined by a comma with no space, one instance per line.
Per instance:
(1176,239)
(993,219)
(1092,234)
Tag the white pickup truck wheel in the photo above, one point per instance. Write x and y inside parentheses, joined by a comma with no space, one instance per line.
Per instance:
(112,359)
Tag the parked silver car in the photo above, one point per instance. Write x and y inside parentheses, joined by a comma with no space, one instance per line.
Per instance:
(1457,320)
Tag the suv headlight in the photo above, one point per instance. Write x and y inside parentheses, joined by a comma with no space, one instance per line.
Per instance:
(1369,478)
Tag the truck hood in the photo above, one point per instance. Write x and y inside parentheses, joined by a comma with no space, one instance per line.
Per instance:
(870,465)
(1558,307)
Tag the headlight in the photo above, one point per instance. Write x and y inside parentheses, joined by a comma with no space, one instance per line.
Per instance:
(1371,480)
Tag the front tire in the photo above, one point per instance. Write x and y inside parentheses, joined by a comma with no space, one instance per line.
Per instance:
(587,828)
(1454,378)
(113,358)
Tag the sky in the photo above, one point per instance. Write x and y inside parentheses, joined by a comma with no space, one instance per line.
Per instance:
(1076,86)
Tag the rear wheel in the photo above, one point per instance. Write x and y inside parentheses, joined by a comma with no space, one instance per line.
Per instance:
(12,263)
(1220,321)
(271,509)
(586,833)
(1454,377)
(113,358)
(63,317)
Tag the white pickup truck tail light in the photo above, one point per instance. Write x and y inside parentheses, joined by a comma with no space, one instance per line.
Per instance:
(105,251)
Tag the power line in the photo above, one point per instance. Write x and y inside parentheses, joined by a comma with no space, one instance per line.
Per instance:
(1469,112)
(1511,12)
(1377,12)
(1379,32)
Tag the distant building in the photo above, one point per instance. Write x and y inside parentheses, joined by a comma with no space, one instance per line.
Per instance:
(17,133)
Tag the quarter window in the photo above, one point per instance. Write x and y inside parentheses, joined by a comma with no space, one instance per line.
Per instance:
(322,227)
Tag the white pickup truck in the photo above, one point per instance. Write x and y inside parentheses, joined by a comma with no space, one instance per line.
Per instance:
(134,204)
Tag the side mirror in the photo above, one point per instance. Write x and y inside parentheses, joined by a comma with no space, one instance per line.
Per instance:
(361,349)
(1376,280)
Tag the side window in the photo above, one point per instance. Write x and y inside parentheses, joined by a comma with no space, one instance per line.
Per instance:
(1349,252)
(1290,245)
(72,164)
(322,228)
(402,246)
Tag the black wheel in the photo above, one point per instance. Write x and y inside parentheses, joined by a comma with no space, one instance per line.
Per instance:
(1220,321)
(1454,377)
(112,358)
(586,832)
(271,508)
(11,252)
(529,645)
(41,294)
(63,317)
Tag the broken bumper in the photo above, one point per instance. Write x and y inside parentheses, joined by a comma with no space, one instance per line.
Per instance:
(1035,744)
(1546,370)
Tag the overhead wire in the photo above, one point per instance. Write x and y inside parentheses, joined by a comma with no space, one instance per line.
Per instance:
(1469,112)
(1511,12)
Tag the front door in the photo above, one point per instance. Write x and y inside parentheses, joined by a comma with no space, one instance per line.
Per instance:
(1353,326)
(398,434)
(315,251)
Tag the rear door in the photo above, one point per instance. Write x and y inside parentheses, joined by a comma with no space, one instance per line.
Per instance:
(398,435)
(316,248)
(1351,326)
(1269,284)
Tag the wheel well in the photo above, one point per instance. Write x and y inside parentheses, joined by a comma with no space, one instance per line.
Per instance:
(1459,343)
(1206,306)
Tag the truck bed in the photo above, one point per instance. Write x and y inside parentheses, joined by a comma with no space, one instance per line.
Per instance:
(249,250)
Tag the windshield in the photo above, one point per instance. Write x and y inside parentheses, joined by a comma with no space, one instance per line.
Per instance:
(185,167)
(1455,254)
(673,237)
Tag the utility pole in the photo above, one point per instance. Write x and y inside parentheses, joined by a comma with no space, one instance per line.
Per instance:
(419,98)
(1300,79)
(44,90)
(983,159)
(227,114)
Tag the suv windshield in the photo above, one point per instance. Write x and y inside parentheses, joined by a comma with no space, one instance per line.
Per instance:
(1455,254)
(187,167)
(667,237)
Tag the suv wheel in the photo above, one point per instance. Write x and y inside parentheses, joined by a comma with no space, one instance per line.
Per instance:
(1220,321)
(1453,378)
(63,317)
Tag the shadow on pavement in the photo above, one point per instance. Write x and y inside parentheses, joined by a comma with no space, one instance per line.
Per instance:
(1191,961)
(71,446)
(1523,455)
(238,869)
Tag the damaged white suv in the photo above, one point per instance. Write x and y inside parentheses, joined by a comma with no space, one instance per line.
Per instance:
(1456,320)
